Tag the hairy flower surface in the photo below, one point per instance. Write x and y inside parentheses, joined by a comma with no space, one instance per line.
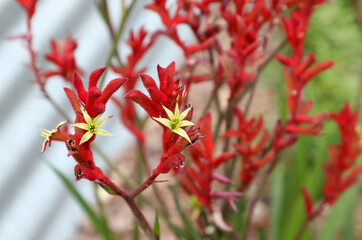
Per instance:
(92,127)
(176,121)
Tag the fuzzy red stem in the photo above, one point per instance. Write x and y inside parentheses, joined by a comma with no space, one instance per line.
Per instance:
(143,186)
(134,208)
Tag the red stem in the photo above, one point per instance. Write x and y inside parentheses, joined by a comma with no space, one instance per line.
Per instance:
(308,220)
(143,186)
(134,208)
(36,71)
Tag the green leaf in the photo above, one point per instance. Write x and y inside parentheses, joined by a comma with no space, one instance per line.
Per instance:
(108,189)
(180,233)
(190,229)
(262,234)
(340,213)
(136,231)
(100,225)
(156,228)
(277,209)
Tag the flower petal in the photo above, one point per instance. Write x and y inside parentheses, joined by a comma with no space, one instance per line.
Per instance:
(86,137)
(164,121)
(44,145)
(177,111)
(96,119)
(184,113)
(185,123)
(169,113)
(81,126)
(61,124)
(103,132)
(182,133)
(100,123)
(87,118)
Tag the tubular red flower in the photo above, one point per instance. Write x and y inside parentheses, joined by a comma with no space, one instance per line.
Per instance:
(197,180)
(29,6)
(62,55)
(250,150)
(340,171)
(94,100)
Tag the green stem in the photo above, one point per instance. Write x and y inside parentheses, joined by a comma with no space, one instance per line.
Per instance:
(100,204)
(256,197)
(117,36)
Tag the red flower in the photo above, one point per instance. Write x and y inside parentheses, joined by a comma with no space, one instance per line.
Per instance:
(251,152)
(185,14)
(139,46)
(62,55)
(168,96)
(308,201)
(197,180)
(29,6)
(341,171)
(78,146)
(92,173)
(54,135)
(93,100)
(299,70)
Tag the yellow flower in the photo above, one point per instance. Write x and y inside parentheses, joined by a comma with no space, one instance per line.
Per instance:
(92,127)
(49,134)
(176,121)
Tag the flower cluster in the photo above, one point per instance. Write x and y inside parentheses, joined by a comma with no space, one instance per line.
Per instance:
(87,123)
(233,42)
(62,55)
(139,45)
(197,180)
(252,152)
(342,170)
(184,14)
(164,106)
(299,70)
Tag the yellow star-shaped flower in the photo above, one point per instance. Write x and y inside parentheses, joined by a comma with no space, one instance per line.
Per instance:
(176,121)
(92,127)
